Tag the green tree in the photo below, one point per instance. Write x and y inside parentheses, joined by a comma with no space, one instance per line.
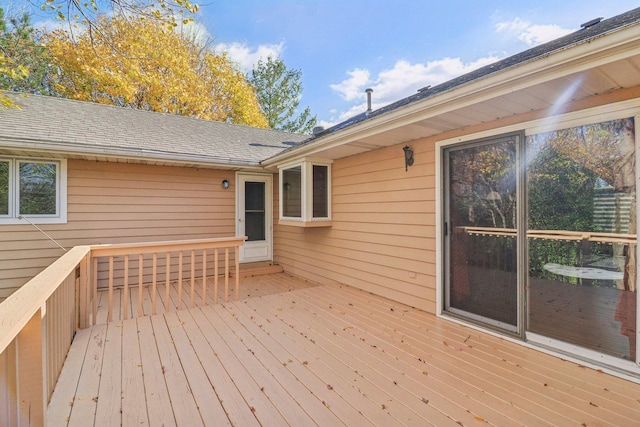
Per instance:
(26,60)
(279,91)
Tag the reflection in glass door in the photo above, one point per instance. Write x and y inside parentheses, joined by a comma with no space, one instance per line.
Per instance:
(481,232)
(582,237)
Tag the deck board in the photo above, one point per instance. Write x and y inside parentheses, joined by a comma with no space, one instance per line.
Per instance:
(289,353)
(404,373)
(535,369)
(158,403)
(133,394)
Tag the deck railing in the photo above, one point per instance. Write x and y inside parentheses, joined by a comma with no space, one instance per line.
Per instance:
(38,321)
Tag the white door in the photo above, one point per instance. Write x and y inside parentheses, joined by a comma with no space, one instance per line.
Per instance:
(255,216)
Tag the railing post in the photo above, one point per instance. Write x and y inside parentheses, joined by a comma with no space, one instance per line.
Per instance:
(84,291)
(94,291)
(31,372)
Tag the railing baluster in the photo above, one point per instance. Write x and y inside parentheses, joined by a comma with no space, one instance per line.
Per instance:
(167,274)
(125,298)
(226,274)
(140,268)
(215,276)
(110,311)
(237,258)
(193,277)
(204,277)
(180,281)
(153,283)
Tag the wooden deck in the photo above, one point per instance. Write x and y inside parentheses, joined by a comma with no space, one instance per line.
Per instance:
(296,354)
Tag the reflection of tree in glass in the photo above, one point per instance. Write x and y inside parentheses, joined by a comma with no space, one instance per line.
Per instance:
(4,188)
(560,191)
(484,185)
(37,188)
(563,169)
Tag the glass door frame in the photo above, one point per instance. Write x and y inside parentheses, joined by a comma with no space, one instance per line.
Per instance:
(445,306)
(259,250)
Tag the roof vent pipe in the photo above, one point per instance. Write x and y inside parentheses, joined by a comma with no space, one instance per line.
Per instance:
(369,92)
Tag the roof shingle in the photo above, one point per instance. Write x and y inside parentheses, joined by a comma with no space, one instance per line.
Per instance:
(84,127)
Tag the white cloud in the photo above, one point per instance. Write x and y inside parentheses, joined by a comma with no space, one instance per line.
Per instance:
(531,34)
(353,87)
(398,82)
(247,56)
(195,32)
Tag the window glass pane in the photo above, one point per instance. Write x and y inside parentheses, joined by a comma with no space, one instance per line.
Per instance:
(4,188)
(254,211)
(37,188)
(582,236)
(292,192)
(320,193)
(482,228)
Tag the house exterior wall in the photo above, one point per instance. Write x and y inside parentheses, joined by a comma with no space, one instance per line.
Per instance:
(383,233)
(121,203)
(382,237)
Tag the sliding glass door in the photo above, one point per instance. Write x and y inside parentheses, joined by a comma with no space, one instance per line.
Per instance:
(481,232)
(540,237)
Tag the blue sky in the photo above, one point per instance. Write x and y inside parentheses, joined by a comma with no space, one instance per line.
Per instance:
(395,47)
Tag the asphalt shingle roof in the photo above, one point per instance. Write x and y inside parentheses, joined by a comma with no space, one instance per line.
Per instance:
(70,125)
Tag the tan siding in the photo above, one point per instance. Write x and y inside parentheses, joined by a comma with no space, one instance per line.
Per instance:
(382,238)
(120,203)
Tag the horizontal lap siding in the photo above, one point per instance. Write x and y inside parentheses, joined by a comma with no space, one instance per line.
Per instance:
(382,237)
(120,203)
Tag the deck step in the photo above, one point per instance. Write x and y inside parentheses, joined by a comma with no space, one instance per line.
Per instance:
(258,269)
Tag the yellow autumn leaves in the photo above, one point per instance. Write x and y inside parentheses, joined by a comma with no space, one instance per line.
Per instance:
(144,64)
(9,68)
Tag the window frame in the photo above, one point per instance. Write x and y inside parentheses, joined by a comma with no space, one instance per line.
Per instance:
(13,215)
(306,218)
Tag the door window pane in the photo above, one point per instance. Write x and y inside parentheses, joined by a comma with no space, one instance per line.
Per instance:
(4,188)
(582,236)
(37,188)
(482,232)
(254,204)
(292,192)
(320,193)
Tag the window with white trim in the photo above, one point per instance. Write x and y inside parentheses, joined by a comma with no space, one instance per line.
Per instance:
(33,189)
(305,193)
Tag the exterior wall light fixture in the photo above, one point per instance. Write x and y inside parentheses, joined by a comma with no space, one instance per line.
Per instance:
(408,157)
(225,183)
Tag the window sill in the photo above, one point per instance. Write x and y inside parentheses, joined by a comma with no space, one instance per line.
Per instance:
(33,220)
(309,224)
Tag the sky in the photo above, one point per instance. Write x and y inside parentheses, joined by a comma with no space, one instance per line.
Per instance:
(343,47)
(394,47)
